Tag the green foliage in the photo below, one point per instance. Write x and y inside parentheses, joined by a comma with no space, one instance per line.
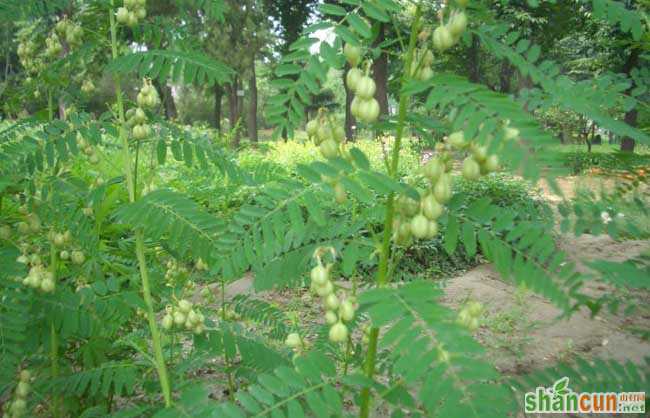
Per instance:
(103,336)
(428,347)
(176,66)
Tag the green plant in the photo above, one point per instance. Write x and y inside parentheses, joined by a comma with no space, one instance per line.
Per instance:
(127,322)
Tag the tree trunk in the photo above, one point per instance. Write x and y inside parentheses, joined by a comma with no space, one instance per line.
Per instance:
(349,119)
(505,76)
(252,106)
(216,116)
(473,60)
(380,73)
(167,99)
(627,143)
(235,116)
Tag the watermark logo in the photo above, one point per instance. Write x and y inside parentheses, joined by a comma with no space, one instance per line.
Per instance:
(559,398)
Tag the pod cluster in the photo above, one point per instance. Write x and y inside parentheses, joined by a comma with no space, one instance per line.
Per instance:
(132,12)
(328,135)
(421,68)
(137,120)
(31,224)
(183,316)
(364,106)
(87,149)
(63,240)
(147,96)
(447,34)
(418,219)
(18,406)
(477,161)
(174,270)
(27,51)
(470,314)
(339,308)
(70,31)
(87,86)
(295,342)
(39,278)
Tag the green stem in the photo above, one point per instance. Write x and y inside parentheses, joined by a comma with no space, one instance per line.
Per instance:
(231,381)
(50,105)
(54,340)
(384,257)
(159,359)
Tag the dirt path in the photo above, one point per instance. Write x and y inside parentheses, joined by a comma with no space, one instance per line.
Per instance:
(522,330)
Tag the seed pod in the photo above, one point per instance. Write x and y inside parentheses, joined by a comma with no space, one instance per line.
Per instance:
(312,128)
(480,153)
(64,255)
(346,310)
(293,340)
(47,285)
(352,54)
(331,318)
(432,229)
(492,163)
(179,318)
(338,333)
(354,106)
(369,110)
(442,38)
(457,24)
(122,15)
(366,88)
(419,225)
(325,289)
(471,169)
(442,189)
(22,389)
(25,375)
(167,321)
(332,302)
(433,169)
(319,275)
(329,149)
(352,78)
(325,132)
(431,208)
(77,257)
(184,305)
(457,140)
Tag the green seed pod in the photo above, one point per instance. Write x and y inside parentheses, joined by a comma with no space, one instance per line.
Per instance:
(471,169)
(457,24)
(457,140)
(442,189)
(352,54)
(329,148)
(366,88)
(352,78)
(419,225)
(442,38)
(319,275)
(338,333)
(431,208)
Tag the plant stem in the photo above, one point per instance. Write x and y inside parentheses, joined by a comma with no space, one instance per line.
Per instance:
(382,273)
(159,359)
(54,341)
(231,382)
